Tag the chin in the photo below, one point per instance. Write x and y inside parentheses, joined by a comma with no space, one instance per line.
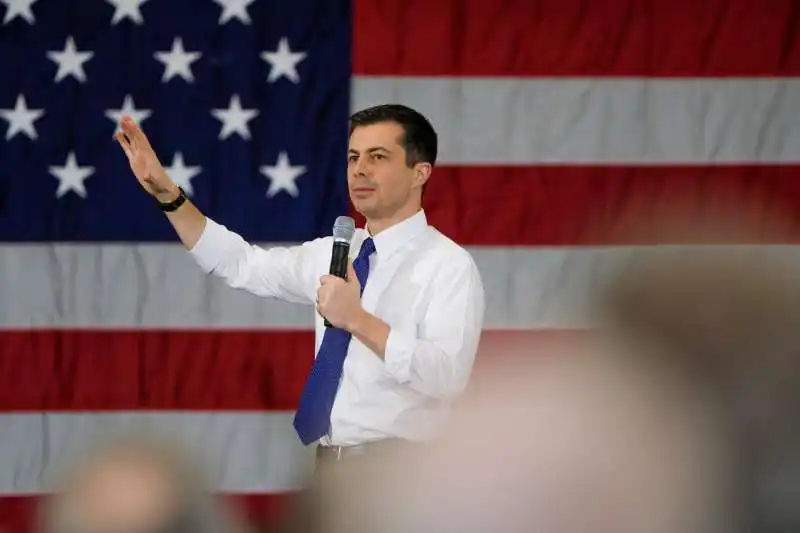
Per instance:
(364,208)
(366,213)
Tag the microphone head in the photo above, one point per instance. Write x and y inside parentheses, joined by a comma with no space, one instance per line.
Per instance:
(343,229)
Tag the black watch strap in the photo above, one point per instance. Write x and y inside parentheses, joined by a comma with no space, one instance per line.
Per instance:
(174,204)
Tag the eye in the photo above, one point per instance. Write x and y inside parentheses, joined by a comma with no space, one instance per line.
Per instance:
(352,158)
(380,156)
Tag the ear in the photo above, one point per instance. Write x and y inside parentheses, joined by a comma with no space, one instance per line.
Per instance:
(422,171)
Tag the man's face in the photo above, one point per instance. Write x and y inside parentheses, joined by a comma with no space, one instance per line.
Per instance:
(379,181)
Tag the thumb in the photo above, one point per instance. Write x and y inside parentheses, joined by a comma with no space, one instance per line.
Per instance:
(351,273)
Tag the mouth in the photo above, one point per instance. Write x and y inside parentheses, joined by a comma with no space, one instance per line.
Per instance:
(362,190)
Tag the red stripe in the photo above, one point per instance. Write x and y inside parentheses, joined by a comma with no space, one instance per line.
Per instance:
(574,205)
(18,513)
(577,38)
(114,370)
(158,370)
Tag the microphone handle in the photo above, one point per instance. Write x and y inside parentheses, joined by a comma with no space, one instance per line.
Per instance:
(339,257)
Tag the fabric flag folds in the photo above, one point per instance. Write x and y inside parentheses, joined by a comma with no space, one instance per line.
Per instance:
(556,117)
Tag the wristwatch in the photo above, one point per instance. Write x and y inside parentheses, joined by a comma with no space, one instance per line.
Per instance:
(174,204)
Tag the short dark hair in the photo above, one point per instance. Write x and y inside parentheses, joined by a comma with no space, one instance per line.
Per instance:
(419,140)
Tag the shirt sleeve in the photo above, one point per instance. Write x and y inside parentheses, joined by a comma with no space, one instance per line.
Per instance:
(436,358)
(285,273)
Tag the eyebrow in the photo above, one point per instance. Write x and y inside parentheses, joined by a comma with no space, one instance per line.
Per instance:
(369,150)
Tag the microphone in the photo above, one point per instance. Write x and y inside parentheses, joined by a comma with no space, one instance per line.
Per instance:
(343,230)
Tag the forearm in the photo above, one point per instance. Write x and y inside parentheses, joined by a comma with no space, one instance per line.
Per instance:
(372,331)
(281,272)
(438,371)
(187,220)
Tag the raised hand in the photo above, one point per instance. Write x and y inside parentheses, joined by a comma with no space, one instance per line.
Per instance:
(144,162)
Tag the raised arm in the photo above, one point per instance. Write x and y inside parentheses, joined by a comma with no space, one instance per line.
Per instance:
(188,221)
(287,273)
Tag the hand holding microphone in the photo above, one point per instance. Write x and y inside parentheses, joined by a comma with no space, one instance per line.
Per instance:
(339,294)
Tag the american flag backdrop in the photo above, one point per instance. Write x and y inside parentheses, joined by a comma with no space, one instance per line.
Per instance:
(555,117)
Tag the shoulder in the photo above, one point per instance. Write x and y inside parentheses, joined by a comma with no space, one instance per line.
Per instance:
(452,255)
(454,274)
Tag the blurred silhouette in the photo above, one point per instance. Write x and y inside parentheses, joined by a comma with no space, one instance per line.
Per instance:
(726,323)
(139,484)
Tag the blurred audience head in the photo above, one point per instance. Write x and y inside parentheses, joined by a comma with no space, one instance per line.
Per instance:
(136,484)
(725,323)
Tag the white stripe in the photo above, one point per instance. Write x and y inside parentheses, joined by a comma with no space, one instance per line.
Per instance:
(245,453)
(522,121)
(116,286)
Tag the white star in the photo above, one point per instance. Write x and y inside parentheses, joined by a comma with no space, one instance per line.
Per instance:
(21,119)
(234,8)
(128,108)
(127,9)
(19,8)
(70,61)
(181,174)
(282,176)
(234,119)
(284,62)
(177,62)
(70,177)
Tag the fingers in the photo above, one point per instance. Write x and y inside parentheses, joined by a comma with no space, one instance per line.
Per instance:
(125,143)
(319,304)
(327,288)
(127,126)
(330,278)
(134,133)
(131,131)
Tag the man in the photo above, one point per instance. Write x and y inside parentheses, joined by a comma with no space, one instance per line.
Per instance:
(679,414)
(407,344)
(137,485)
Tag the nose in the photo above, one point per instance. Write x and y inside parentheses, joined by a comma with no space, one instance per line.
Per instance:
(360,167)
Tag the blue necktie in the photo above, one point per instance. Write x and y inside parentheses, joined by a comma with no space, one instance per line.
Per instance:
(313,418)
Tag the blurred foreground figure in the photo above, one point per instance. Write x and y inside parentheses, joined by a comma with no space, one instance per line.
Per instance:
(140,485)
(680,415)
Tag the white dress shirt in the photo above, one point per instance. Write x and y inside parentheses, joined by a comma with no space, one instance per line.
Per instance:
(423,285)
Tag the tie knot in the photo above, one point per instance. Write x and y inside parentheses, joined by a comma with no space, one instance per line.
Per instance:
(367,248)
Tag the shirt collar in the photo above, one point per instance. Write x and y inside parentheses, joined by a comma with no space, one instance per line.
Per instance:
(391,239)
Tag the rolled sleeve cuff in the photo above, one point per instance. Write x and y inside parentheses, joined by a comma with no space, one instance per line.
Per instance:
(400,348)
(207,250)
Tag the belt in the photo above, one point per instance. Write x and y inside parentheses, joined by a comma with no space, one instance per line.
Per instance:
(339,453)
